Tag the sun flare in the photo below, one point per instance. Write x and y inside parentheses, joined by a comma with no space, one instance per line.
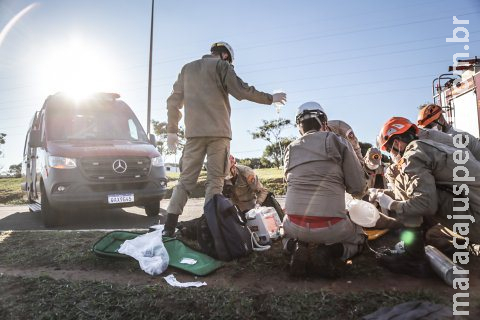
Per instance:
(77,68)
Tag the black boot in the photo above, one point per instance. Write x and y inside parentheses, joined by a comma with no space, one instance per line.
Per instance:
(326,260)
(299,259)
(413,261)
(170,225)
(188,229)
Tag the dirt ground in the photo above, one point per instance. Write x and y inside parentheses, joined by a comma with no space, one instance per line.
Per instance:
(67,255)
(48,262)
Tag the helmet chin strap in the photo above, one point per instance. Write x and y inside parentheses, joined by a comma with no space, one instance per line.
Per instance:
(442,125)
(323,125)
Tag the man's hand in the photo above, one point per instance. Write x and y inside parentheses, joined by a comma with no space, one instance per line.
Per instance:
(384,201)
(372,194)
(279,98)
(172,140)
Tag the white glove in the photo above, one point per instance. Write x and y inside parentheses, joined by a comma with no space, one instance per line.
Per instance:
(384,201)
(172,140)
(279,98)
(372,194)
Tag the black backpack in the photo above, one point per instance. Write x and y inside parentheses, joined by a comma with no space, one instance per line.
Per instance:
(221,231)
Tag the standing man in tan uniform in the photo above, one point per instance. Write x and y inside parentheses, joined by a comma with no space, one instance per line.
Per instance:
(319,167)
(435,182)
(202,88)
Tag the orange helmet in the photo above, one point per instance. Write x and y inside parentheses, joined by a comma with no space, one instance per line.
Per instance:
(394,126)
(429,114)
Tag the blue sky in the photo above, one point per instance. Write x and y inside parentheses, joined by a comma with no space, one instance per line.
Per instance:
(364,61)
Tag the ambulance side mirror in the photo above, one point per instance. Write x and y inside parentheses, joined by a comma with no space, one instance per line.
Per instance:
(152,139)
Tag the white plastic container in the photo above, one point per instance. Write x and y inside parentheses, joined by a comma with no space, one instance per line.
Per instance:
(363,213)
(264,222)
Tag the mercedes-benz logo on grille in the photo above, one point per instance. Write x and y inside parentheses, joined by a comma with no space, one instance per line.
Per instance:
(119,166)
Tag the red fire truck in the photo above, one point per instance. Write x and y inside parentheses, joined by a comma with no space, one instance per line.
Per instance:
(456,92)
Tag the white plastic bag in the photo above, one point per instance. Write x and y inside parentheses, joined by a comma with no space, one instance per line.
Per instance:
(348,199)
(363,213)
(149,251)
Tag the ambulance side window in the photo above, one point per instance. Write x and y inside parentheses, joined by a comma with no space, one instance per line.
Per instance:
(133,129)
(40,124)
(26,149)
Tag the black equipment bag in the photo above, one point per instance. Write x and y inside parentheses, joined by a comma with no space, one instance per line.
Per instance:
(222,231)
(270,201)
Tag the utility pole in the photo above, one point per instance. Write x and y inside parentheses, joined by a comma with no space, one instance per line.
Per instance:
(149,105)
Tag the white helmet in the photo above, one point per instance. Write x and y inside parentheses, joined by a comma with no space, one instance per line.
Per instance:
(226,45)
(309,110)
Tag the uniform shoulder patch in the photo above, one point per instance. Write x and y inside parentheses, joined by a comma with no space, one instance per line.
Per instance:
(251,179)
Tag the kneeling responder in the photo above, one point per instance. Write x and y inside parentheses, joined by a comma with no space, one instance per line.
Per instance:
(344,130)
(427,186)
(430,117)
(319,167)
(244,189)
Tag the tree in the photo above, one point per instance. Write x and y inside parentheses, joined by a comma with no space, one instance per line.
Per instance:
(273,154)
(256,163)
(160,130)
(2,140)
(270,131)
(15,170)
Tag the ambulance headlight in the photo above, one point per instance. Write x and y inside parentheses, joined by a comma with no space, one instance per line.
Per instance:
(61,162)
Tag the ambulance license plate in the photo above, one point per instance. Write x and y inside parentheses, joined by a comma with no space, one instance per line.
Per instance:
(120,198)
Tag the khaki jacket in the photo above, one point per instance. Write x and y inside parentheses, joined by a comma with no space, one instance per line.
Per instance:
(319,168)
(376,178)
(247,188)
(473,142)
(426,185)
(447,138)
(345,131)
(203,87)
(424,134)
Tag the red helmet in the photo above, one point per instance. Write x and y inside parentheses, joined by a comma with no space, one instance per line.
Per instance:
(394,126)
(428,114)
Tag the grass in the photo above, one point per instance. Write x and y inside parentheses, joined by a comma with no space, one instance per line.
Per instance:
(33,297)
(69,250)
(60,249)
(10,191)
(272,179)
(46,298)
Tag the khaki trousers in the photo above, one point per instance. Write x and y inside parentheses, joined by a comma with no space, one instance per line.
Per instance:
(345,232)
(217,151)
